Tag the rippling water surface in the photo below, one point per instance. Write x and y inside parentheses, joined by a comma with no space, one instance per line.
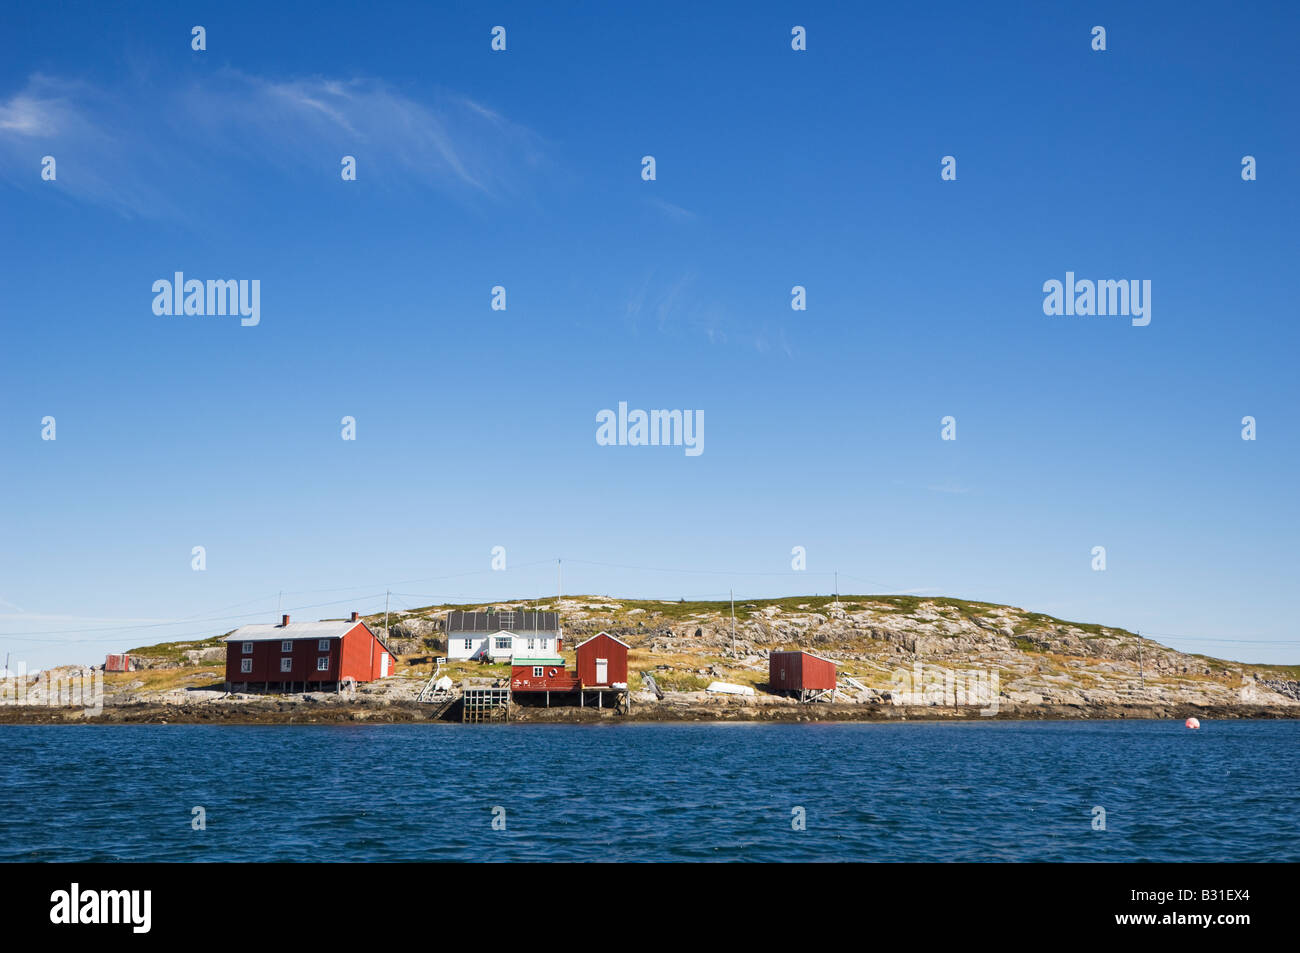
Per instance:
(928,792)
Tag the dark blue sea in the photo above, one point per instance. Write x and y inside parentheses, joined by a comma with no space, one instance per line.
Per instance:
(1000,791)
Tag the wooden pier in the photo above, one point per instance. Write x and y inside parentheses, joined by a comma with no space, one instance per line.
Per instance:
(485,704)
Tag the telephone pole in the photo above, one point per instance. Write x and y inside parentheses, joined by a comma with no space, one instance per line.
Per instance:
(733,623)
(559,583)
(1141,675)
(386,595)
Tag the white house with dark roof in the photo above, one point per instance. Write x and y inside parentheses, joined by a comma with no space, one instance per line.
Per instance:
(499,636)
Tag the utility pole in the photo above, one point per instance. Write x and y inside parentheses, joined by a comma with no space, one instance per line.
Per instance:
(733,623)
(386,594)
(279,605)
(837,587)
(1141,675)
(559,583)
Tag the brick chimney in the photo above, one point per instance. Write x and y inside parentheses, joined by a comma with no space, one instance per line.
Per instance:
(354,617)
(284,620)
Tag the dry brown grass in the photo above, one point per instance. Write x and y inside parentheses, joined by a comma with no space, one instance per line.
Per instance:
(165,679)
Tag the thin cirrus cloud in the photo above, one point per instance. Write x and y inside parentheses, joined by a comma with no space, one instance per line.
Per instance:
(138,149)
(678,308)
(85,132)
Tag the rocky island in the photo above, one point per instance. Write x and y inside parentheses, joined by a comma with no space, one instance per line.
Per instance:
(897,657)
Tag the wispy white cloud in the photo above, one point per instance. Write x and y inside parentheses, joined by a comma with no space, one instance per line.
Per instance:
(949,486)
(140,149)
(90,139)
(78,619)
(678,306)
(671,211)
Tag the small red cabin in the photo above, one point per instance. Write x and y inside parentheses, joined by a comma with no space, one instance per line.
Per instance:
(545,674)
(310,654)
(119,663)
(602,662)
(799,672)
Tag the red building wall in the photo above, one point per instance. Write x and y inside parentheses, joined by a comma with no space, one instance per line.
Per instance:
(799,671)
(357,655)
(266,658)
(523,680)
(363,654)
(606,647)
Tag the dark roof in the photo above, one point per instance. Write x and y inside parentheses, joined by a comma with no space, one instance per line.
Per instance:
(509,621)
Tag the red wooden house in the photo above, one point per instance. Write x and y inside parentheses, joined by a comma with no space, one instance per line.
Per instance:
(800,672)
(315,655)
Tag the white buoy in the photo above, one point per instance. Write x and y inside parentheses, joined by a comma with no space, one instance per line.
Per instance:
(1193,723)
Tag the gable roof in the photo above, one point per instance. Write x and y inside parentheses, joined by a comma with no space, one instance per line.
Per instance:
(801,652)
(490,623)
(598,635)
(270,632)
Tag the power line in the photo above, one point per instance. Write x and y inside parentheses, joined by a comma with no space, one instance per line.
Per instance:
(182,621)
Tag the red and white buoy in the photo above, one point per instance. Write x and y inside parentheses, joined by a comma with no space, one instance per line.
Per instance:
(1192,723)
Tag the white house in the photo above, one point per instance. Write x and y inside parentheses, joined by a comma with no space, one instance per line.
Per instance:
(499,636)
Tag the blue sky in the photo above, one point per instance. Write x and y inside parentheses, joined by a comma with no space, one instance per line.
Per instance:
(476,428)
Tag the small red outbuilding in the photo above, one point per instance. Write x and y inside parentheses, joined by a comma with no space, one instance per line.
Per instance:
(602,662)
(800,672)
(119,663)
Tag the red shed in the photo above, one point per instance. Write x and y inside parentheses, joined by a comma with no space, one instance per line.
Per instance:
(602,662)
(543,674)
(119,663)
(800,672)
(311,654)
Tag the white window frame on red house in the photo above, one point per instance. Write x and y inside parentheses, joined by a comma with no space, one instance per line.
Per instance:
(286,665)
(246,666)
(323,663)
(287,646)
(538,671)
(323,645)
(248,648)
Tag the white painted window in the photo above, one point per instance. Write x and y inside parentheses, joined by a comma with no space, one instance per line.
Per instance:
(504,642)
(323,663)
(248,648)
(469,644)
(246,665)
(286,646)
(286,665)
(323,645)
(537,671)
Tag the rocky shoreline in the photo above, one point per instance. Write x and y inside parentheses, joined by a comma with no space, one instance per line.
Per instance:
(353,711)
